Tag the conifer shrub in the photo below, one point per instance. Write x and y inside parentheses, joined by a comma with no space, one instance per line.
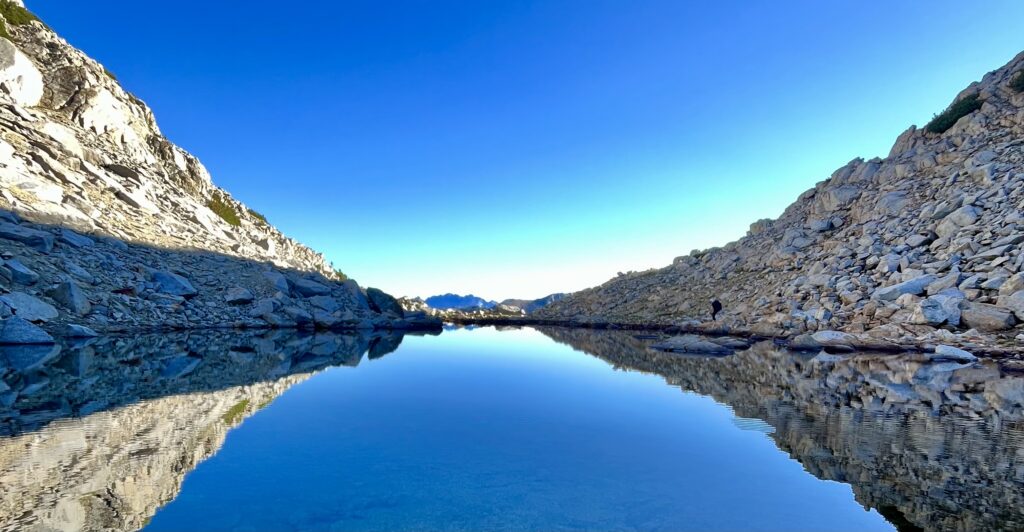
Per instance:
(959,109)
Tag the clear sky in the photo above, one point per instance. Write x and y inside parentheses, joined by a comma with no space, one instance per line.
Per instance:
(513,149)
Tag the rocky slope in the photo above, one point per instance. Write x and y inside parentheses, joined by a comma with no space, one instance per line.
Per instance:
(923,243)
(106,223)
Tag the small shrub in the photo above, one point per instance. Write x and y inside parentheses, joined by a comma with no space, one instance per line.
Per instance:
(224,209)
(1017,81)
(340,275)
(109,74)
(3,31)
(235,413)
(15,14)
(259,217)
(961,108)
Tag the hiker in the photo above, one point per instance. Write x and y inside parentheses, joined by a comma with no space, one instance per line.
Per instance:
(716,307)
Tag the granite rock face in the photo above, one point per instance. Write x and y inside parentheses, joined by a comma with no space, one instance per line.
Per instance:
(105,221)
(941,213)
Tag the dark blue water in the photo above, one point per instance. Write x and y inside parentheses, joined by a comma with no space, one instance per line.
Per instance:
(487,430)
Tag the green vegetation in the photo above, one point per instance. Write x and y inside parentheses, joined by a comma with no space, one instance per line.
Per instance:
(235,413)
(15,14)
(340,275)
(1017,81)
(961,108)
(109,74)
(224,208)
(258,216)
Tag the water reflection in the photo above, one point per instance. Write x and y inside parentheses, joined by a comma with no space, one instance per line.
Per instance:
(931,446)
(99,434)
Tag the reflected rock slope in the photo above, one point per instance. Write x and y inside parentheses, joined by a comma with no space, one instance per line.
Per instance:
(100,435)
(931,445)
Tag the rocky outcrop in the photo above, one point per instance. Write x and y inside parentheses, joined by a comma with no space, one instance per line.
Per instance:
(927,238)
(105,221)
(930,442)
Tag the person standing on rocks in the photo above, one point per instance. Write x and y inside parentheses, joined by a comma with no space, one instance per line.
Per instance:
(716,307)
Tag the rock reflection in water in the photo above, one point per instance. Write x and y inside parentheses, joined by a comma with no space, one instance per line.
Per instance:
(99,435)
(931,446)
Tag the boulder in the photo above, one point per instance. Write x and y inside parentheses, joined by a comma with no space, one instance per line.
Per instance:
(1012,285)
(985,317)
(382,302)
(16,330)
(71,297)
(173,284)
(277,281)
(72,330)
(691,344)
(325,320)
(834,339)
(309,288)
(325,303)
(939,309)
(37,240)
(957,219)
(20,273)
(914,287)
(238,296)
(298,315)
(947,352)
(28,307)
(74,239)
(1015,303)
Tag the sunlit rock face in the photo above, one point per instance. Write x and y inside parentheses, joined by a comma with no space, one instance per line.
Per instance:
(932,445)
(101,435)
(942,212)
(72,126)
(95,198)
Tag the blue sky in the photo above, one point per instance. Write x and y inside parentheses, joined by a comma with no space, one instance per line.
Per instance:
(513,149)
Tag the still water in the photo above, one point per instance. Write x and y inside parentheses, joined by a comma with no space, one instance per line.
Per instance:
(520,429)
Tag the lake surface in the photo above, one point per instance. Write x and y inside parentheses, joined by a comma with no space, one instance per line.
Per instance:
(518,429)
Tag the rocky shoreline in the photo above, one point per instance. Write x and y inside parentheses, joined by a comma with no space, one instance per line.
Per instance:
(56,281)
(824,340)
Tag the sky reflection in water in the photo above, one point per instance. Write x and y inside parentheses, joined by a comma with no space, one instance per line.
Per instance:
(502,430)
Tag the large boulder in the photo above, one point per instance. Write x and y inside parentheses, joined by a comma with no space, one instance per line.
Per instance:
(914,286)
(71,297)
(20,273)
(29,307)
(957,219)
(238,295)
(985,317)
(173,284)
(382,302)
(16,330)
(309,288)
(1015,303)
(939,309)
